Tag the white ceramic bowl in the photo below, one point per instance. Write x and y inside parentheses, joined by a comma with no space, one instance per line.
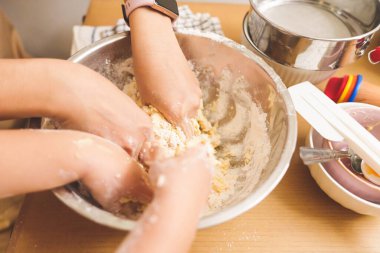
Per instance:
(335,190)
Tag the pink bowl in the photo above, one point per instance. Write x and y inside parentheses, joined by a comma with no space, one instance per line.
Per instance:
(341,170)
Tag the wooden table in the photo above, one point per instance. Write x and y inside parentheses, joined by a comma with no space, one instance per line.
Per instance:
(296,217)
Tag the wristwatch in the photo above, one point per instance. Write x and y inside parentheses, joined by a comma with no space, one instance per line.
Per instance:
(166,7)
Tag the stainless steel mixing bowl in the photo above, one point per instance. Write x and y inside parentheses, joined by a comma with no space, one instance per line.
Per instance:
(320,35)
(265,87)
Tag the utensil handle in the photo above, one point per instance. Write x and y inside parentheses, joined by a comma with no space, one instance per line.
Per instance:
(315,155)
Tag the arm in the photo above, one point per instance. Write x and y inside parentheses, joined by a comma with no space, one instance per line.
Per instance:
(162,72)
(35,160)
(76,96)
(169,223)
(26,88)
(369,93)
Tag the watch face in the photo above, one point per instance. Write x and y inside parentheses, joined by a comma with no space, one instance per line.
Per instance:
(171,5)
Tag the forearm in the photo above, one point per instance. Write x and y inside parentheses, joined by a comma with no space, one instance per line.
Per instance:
(169,223)
(33,160)
(29,87)
(369,93)
(157,52)
(161,69)
(146,22)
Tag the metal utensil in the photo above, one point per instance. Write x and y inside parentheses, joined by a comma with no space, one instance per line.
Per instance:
(318,104)
(311,34)
(289,75)
(320,155)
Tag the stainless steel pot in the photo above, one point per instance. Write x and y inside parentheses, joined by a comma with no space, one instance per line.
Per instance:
(264,86)
(312,34)
(289,75)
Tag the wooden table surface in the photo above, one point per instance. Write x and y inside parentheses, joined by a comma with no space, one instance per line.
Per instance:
(296,217)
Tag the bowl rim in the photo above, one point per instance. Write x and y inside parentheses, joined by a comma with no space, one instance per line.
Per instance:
(228,213)
(285,31)
(327,175)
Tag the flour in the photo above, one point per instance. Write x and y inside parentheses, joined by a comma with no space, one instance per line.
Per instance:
(241,127)
(230,124)
(173,141)
(307,20)
(161,181)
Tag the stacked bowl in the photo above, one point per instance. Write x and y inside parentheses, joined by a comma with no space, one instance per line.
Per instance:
(308,40)
(337,178)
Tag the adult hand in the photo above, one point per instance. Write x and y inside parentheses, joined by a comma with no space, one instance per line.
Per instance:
(163,75)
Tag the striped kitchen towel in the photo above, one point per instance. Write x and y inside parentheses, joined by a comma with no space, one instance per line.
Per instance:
(187,20)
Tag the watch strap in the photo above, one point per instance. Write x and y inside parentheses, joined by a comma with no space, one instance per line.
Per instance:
(166,7)
(131,5)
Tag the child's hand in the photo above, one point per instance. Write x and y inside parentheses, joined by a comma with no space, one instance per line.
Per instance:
(76,96)
(182,185)
(171,88)
(52,158)
(112,174)
(91,103)
(181,173)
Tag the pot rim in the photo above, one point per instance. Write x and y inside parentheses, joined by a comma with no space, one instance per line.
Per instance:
(283,30)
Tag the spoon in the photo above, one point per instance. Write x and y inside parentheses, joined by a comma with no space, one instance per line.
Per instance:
(320,155)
